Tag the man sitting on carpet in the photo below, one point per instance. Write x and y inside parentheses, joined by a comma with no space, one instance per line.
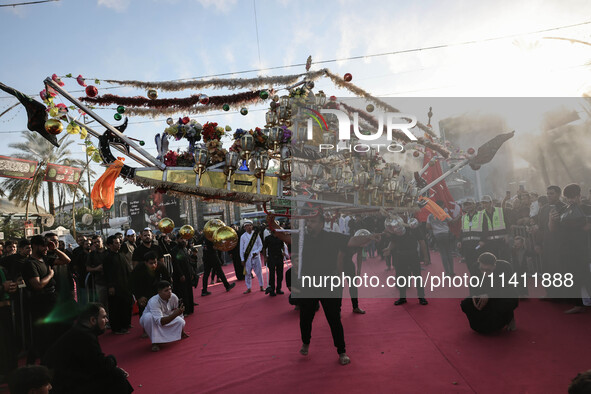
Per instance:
(492,308)
(163,317)
(78,362)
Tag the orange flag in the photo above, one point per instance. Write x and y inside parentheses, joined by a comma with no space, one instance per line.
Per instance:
(435,209)
(103,192)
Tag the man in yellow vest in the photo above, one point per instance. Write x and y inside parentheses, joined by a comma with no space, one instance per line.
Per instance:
(494,229)
(471,235)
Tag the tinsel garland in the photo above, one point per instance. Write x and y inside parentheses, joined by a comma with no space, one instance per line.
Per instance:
(157,112)
(184,190)
(340,82)
(399,135)
(179,103)
(218,83)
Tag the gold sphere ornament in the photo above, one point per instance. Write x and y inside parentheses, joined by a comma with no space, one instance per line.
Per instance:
(211,227)
(225,239)
(54,126)
(187,231)
(152,94)
(166,225)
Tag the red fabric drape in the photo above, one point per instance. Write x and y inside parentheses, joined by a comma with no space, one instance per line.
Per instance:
(441,191)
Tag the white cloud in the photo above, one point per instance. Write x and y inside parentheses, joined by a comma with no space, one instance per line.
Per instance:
(117,5)
(220,5)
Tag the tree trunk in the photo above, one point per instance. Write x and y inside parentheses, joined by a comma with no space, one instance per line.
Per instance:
(50,198)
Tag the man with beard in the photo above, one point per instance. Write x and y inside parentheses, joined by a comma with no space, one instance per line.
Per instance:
(39,277)
(14,263)
(78,363)
(117,275)
(183,275)
(145,277)
(251,260)
(94,265)
(147,245)
(548,242)
(128,247)
(163,318)
(322,254)
(572,226)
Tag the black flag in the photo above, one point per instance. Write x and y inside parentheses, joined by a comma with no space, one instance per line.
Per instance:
(487,151)
(36,113)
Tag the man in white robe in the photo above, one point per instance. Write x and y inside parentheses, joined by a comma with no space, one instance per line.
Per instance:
(163,317)
(253,262)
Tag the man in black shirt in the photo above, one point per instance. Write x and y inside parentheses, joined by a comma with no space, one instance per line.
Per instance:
(78,363)
(147,245)
(491,308)
(407,262)
(94,265)
(275,251)
(183,275)
(211,262)
(572,226)
(39,277)
(14,263)
(145,277)
(117,275)
(548,242)
(322,255)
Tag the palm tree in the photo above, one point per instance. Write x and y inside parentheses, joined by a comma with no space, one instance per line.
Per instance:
(39,149)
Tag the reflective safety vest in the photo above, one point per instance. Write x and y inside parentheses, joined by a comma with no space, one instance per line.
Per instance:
(472,227)
(496,228)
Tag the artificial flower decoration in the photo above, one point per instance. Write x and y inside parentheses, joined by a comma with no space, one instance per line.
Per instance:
(80,81)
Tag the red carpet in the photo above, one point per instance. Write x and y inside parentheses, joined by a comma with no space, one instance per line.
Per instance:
(249,343)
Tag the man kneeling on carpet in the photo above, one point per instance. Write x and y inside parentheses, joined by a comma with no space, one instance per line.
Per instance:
(78,363)
(491,309)
(163,317)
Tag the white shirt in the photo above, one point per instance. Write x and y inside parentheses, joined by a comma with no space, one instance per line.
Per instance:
(245,240)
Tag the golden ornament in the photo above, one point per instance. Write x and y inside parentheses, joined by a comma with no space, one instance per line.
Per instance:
(166,225)
(225,239)
(54,126)
(152,94)
(211,227)
(187,231)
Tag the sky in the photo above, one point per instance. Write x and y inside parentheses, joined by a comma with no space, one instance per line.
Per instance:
(156,40)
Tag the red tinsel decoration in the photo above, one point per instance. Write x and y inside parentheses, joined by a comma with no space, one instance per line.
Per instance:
(139,101)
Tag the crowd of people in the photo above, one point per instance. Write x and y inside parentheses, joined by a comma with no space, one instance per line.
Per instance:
(52,296)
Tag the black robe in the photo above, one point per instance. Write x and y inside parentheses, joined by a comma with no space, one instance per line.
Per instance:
(183,290)
(502,301)
(80,366)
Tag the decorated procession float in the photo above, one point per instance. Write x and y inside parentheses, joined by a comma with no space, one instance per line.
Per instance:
(307,151)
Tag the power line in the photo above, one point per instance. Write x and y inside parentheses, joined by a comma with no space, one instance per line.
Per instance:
(256,25)
(471,42)
(403,51)
(27,3)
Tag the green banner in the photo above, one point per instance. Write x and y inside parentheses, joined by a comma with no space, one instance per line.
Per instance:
(11,167)
(62,174)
